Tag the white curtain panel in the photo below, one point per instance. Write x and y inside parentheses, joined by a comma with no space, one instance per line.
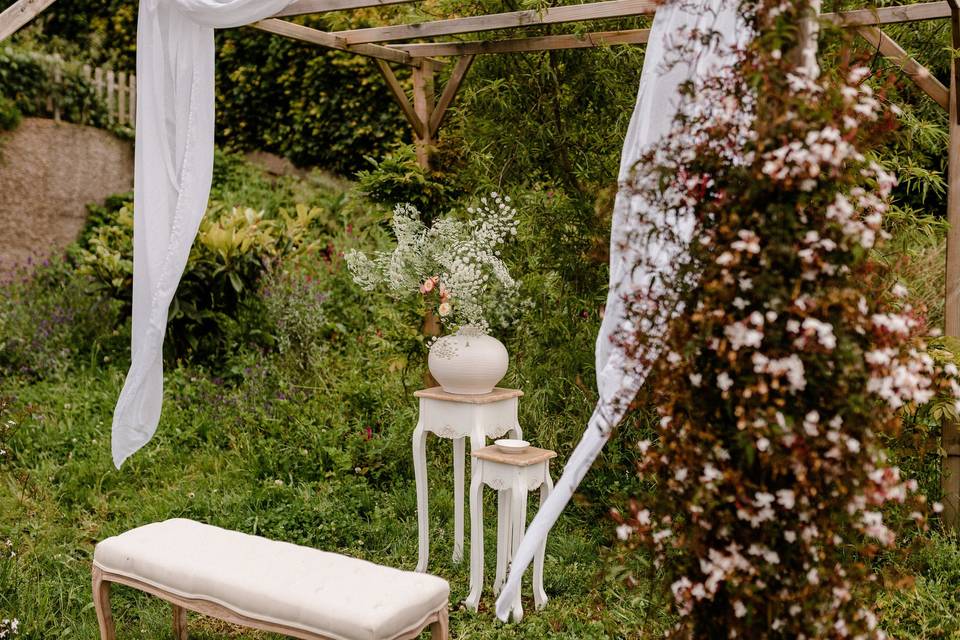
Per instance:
(618,379)
(174,165)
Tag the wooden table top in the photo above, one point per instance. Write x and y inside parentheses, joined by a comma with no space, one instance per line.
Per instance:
(525,458)
(498,394)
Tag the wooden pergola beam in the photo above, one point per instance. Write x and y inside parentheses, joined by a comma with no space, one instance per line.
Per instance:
(527,45)
(920,75)
(20,13)
(511,20)
(300,7)
(890,15)
(315,36)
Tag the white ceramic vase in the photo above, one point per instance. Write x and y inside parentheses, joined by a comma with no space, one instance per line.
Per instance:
(468,362)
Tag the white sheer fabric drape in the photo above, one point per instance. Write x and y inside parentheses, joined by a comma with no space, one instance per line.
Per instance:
(174,165)
(617,378)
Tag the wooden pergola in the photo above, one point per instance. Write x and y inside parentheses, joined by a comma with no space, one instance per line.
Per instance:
(426,46)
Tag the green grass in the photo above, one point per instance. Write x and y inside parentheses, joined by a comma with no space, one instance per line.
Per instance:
(271,473)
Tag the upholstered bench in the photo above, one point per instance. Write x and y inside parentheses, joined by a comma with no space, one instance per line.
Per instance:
(267,585)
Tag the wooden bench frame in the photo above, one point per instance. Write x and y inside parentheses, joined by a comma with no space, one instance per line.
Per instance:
(436,620)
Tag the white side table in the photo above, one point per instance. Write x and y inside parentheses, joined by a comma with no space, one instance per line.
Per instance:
(457,417)
(512,475)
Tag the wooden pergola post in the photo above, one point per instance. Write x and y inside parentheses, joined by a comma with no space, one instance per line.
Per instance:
(423,101)
(950,472)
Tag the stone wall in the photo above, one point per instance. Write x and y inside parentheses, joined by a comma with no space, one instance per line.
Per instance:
(49,171)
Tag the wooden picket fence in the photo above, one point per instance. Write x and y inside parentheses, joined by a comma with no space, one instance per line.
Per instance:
(118,90)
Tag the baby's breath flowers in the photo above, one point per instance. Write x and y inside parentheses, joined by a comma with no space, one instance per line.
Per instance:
(455,266)
(788,361)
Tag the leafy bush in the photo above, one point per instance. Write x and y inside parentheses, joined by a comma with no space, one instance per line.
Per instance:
(398,178)
(315,106)
(293,301)
(782,379)
(219,284)
(27,79)
(9,114)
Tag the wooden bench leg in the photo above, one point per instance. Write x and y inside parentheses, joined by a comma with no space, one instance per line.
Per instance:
(101,602)
(179,623)
(440,630)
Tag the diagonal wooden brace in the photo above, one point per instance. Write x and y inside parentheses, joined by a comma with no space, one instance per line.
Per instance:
(449,93)
(20,13)
(401,97)
(920,75)
(423,115)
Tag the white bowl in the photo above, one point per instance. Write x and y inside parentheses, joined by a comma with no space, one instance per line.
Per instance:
(507,445)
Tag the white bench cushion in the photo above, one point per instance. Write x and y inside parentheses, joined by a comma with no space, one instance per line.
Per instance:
(325,593)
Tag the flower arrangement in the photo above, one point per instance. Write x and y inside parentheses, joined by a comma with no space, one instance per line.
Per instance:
(790,355)
(455,265)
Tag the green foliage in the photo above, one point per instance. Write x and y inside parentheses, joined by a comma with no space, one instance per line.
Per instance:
(553,118)
(397,178)
(27,81)
(293,306)
(233,249)
(216,309)
(315,106)
(9,114)
(925,607)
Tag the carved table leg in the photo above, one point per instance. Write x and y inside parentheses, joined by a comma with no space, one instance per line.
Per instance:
(539,594)
(423,514)
(459,450)
(519,518)
(504,544)
(476,538)
(516,432)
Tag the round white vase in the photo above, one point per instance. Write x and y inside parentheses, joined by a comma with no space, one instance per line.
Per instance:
(468,363)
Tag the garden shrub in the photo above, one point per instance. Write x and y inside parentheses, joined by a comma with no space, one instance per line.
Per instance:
(234,246)
(398,178)
(293,299)
(27,80)
(783,377)
(315,106)
(9,114)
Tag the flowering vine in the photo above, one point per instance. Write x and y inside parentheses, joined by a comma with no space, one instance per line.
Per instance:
(788,353)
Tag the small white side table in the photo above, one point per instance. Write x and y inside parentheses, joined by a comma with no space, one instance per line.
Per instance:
(457,417)
(512,475)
